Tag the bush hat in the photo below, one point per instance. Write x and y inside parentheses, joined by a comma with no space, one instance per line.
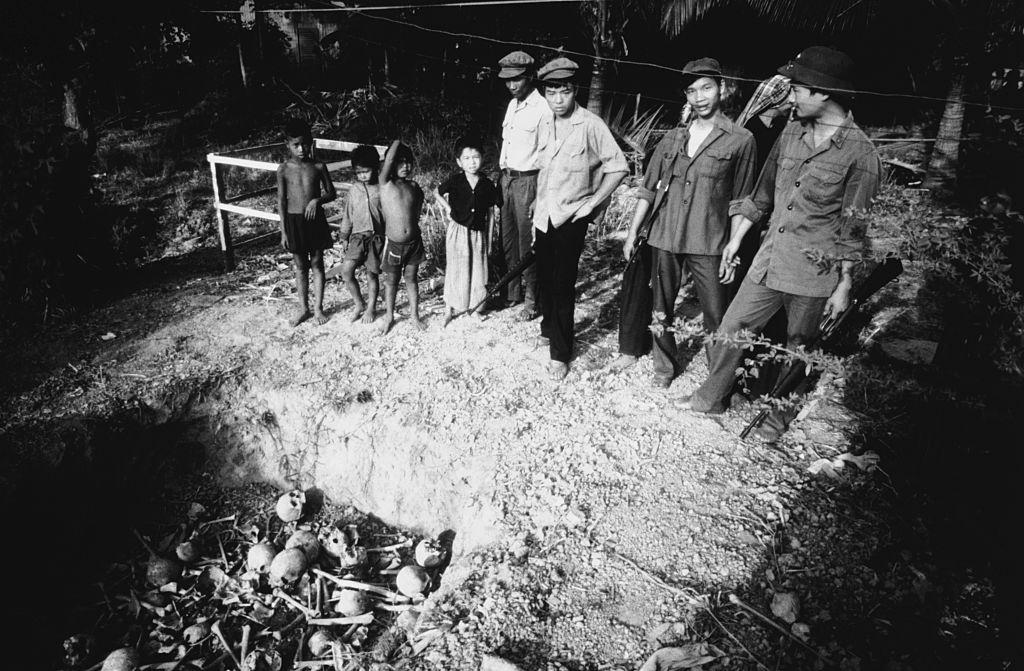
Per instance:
(515,64)
(702,67)
(558,70)
(821,68)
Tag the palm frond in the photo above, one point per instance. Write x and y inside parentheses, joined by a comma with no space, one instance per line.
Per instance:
(828,16)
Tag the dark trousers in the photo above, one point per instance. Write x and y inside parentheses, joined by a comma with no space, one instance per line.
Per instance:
(635,304)
(558,256)
(753,307)
(775,330)
(668,271)
(517,195)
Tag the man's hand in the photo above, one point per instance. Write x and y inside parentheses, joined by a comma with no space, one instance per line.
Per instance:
(284,241)
(729,263)
(627,246)
(839,300)
(311,208)
(586,209)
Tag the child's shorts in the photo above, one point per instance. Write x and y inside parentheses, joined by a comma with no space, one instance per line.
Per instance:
(398,255)
(305,237)
(365,249)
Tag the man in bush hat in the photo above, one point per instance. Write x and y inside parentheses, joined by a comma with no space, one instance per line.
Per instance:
(694,173)
(518,163)
(580,167)
(812,195)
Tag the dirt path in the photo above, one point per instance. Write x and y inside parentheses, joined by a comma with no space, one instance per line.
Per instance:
(607,512)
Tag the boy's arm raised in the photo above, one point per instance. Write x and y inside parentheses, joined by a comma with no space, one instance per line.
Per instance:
(389,167)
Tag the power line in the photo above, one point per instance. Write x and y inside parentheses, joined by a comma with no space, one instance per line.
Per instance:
(667,68)
(343,8)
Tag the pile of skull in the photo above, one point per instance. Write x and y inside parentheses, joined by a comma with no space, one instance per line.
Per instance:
(321,591)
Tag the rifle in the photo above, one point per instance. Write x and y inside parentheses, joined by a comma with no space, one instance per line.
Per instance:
(507,278)
(796,375)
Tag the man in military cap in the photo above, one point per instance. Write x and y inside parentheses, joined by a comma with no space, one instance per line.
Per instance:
(519,167)
(694,173)
(580,166)
(813,193)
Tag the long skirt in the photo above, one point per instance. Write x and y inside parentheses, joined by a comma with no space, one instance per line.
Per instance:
(465,274)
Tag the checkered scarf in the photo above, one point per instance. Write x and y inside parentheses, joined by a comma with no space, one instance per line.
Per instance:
(771,92)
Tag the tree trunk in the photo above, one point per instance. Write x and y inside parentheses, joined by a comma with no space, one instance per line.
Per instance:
(942,164)
(595,101)
(76,116)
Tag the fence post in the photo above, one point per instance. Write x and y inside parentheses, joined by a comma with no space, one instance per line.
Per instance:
(222,221)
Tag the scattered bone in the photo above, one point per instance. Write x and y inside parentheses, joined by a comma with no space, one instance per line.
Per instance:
(281,594)
(407,543)
(366,618)
(355,584)
(215,628)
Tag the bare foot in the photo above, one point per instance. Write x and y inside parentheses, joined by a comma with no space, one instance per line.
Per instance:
(449,315)
(420,324)
(385,325)
(369,316)
(301,317)
(356,311)
(320,317)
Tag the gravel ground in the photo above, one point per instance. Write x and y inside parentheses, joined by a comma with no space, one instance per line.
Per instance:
(626,523)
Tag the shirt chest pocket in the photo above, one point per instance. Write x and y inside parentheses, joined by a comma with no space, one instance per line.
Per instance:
(824,186)
(713,163)
(576,157)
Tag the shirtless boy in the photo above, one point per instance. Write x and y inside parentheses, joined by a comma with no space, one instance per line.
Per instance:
(304,230)
(400,200)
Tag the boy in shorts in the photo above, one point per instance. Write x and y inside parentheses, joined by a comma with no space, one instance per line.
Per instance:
(303,186)
(362,229)
(401,200)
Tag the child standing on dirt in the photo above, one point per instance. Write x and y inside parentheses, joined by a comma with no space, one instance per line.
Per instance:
(362,231)
(468,200)
(303,186)
(401,200)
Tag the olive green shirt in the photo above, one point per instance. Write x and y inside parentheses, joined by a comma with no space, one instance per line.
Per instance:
(692,214)
(814,200)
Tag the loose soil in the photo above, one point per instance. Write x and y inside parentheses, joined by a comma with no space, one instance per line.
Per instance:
(594,522)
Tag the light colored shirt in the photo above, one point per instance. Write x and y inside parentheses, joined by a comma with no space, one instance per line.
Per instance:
(572,166)
(519,132)
(814,200)
(362,213)
(690,195)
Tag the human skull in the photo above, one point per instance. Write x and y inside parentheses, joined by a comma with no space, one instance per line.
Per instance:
(260,557)
(305,541)
(287,567)
(352,602)
(319,642)
(122,659)
(160,571)
(429,553)
(289,506)
(412,580)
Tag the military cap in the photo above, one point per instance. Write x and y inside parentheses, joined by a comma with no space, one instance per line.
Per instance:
(515,64)
(702,67)
(821,68)
(558,70)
